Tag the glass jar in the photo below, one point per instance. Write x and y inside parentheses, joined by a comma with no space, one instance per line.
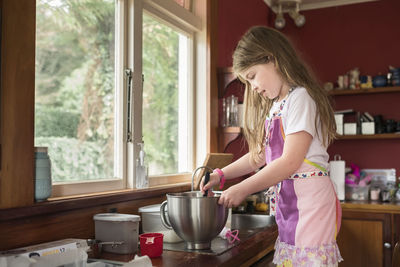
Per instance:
(42,174)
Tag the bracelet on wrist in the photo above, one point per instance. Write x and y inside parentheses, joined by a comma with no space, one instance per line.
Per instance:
(221,177)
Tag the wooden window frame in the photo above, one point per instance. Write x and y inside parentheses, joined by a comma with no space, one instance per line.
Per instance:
(17,101)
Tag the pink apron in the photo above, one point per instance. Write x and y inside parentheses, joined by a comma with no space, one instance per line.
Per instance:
(307,210)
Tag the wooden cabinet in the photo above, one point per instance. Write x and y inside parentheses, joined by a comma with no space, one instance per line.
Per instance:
(362,237)
(368,235)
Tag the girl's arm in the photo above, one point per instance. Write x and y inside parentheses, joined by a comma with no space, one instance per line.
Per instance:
(237,168)
(294,152)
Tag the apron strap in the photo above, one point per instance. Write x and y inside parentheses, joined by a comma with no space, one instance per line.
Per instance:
(305,160)
(315,165)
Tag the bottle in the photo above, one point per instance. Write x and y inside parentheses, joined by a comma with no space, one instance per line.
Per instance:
(42,174)
(233,116)
(235,111)
(142,179)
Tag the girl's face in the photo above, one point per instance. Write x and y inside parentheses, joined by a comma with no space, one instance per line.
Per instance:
(265,80)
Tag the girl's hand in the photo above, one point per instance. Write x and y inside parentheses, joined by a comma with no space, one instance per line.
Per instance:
(232,197)
(214,180)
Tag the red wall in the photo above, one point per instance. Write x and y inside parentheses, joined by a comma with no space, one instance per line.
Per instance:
(235,17)
(337,39)
(333,41)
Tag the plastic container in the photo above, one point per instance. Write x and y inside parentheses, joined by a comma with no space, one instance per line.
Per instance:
(151,244)
(117,227)
(151,222)
(355,192)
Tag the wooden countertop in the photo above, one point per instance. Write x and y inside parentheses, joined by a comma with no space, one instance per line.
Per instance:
(244,254)
(376,206)
(249,250)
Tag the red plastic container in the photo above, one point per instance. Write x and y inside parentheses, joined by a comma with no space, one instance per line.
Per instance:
(151,244)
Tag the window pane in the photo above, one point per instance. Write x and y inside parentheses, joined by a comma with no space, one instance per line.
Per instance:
(75,87)
(165,90)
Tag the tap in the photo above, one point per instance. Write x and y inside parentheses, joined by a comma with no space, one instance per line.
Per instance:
(194,173)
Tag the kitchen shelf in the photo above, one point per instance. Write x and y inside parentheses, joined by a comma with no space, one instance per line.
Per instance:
(370,136)
(376,90)
(232,130)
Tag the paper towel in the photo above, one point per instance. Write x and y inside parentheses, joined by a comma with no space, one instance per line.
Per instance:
(143,261)
(337,174)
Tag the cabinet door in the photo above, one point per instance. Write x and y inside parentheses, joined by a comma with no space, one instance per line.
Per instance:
(362,239)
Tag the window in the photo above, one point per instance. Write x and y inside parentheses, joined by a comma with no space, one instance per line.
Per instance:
(165,97)
(84,108)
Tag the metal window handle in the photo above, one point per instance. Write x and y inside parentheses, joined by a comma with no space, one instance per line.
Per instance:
(128,74)
(387,245)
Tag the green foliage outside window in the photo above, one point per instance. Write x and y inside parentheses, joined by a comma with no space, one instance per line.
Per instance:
(75,87)
(160,95)
(74,107)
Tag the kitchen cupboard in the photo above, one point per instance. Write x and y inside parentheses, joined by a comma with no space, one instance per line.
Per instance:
(368,234)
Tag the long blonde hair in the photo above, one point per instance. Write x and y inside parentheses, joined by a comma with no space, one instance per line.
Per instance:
(260,45)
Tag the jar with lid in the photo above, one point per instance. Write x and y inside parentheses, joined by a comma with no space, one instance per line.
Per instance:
(42,174)
(397,195)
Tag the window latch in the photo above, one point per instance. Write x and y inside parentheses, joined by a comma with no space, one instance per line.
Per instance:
(128,74)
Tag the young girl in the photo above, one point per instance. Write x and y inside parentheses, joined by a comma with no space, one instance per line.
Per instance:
(289,123)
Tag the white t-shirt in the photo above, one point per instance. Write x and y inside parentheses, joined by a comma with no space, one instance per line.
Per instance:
(298,114)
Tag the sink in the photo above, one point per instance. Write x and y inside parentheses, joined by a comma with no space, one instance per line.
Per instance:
(251,221)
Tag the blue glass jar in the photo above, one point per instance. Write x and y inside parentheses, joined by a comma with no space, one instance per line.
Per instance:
(42,174)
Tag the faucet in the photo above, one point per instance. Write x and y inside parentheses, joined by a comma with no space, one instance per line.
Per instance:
(201,167)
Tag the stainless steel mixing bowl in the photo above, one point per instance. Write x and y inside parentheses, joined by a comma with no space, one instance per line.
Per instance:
(196,219)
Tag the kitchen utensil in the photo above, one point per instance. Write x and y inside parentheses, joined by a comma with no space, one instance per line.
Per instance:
(196,219)
(151,244)
(212,161)
(206,180)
